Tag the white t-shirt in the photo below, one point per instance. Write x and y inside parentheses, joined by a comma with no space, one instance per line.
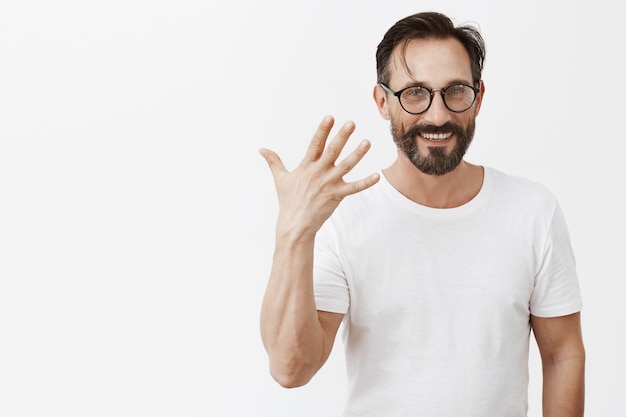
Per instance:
(437,301)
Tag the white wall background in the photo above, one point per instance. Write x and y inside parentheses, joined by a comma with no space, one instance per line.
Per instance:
(136,217)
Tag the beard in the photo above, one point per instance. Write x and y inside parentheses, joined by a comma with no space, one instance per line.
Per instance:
(436,161)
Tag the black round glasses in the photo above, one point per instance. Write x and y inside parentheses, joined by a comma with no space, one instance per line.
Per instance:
(417,99)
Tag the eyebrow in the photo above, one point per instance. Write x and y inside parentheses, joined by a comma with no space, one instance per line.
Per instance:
(416,83)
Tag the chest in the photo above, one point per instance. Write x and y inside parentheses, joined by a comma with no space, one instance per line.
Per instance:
(430,268)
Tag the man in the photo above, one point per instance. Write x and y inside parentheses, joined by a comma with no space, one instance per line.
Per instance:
(438,268)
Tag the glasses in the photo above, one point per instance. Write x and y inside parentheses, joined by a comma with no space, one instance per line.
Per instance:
(417,99)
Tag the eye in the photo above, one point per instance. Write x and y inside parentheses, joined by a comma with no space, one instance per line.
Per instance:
(456,90)
(415,93)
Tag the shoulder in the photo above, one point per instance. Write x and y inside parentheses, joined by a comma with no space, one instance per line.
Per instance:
(521,190)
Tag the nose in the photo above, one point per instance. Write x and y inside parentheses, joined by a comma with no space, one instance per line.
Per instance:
(437,113)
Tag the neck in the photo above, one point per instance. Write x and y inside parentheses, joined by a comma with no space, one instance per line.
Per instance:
(450,190)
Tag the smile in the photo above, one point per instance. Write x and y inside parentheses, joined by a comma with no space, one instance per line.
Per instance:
(437,137)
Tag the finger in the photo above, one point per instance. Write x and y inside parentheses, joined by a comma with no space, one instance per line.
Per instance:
(349,162)
(317,144)
(363,184)
(273,161)
(334,148)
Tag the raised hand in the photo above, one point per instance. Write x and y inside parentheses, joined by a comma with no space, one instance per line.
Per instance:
(309,194)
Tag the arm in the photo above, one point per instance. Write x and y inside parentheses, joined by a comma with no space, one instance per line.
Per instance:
(563,360)
(298,338)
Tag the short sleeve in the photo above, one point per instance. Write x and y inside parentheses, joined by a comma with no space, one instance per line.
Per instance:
(330,284)
(556,289)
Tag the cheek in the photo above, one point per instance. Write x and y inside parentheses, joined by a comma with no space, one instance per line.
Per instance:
(475,109)
(397,126)
(470,120)
(402,121)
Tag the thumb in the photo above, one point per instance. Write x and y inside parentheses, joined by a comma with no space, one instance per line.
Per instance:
(273,161)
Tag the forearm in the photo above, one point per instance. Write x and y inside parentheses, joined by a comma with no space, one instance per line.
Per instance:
(290,328)
(298,339)
(564,386)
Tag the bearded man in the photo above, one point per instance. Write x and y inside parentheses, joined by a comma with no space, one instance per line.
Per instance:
(439,269)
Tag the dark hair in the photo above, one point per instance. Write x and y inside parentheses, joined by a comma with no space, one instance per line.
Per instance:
(429,25)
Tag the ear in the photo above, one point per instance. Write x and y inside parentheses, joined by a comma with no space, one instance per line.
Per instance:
(380,97)
(479,98)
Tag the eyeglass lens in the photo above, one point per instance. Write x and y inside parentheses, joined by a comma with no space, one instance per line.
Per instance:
(457,98)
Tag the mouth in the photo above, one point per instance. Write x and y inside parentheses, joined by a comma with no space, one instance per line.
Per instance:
(436,137)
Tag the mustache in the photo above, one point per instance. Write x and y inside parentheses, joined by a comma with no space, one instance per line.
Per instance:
(431,128)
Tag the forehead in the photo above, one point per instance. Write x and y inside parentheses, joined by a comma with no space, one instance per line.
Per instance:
(432,62)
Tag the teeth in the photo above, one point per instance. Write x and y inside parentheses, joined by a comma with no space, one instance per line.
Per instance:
(436,136)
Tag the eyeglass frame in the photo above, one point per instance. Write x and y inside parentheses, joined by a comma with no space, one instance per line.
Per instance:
(431,92)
